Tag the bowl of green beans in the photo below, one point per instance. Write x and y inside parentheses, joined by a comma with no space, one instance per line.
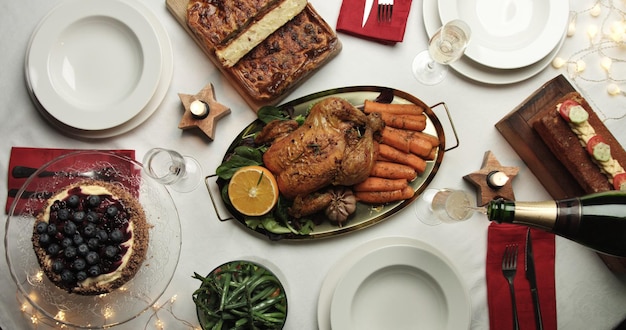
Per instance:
(240,294)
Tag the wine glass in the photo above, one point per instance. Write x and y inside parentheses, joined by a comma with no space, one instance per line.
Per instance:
(168,167)
(436,206)
(444,47)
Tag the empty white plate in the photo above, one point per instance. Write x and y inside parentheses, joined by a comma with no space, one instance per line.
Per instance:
(509,34)
(400,287)
(94,64)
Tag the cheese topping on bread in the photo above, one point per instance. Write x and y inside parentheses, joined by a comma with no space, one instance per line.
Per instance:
(259,31)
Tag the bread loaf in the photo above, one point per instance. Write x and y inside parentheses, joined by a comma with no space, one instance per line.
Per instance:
(557,134)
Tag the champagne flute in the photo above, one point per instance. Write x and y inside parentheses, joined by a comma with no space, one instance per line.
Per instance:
(446,46)
(168,167)
(436,206)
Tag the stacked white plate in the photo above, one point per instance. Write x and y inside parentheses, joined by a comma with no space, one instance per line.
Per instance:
(511,40)
(98,68)
(394,283)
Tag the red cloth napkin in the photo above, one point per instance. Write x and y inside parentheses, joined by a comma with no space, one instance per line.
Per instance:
(498,296)
(35,158)
(351,16)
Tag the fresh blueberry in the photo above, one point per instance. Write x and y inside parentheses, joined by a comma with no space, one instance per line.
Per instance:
(41,227)
(110,251)
(92,217)
(44,239)
(66,242)
(73,201)
(81,276)
(90,230)
(102,235)
(83,249)
(53,249)
(63,214)
(69,228)
(112,211)
(79,264)
(67,276)
(58,266)
(92,258)
(116,236)
(93,243)
(70,252)
(93,200)
(78,239)
(79,216)
(52,229)
(94,271)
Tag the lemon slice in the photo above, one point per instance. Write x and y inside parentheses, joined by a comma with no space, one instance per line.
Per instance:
(253,190)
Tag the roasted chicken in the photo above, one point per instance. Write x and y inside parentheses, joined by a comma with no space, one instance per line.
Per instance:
(334,146)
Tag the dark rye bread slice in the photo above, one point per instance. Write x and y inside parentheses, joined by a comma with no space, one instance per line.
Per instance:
(565,145)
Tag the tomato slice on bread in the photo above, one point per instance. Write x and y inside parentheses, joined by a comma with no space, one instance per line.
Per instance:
(573,112)
(598,148)
(619,181)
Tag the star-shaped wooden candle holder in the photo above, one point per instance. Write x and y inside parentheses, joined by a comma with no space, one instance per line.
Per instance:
(205,122)
(493,180)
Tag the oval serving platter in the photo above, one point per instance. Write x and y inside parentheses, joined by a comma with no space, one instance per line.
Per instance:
(365,214)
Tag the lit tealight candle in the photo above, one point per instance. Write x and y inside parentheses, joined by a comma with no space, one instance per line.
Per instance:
(199,109)
(497,179)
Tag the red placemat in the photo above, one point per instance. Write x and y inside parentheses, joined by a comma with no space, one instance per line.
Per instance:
(35,158)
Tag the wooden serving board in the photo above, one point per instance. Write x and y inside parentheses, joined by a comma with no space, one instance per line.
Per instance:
(517,129)
(178,8)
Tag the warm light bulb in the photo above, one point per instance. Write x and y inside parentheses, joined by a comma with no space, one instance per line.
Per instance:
(558,62)
(592,30)
(596,10)
(605,63)
(571,28)
(580,66)
(613,89)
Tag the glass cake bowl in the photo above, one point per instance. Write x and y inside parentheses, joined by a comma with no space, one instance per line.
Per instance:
(136,295)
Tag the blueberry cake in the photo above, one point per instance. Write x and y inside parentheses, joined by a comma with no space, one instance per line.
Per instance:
(91,237)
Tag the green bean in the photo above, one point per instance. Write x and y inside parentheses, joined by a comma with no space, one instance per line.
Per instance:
(240,296)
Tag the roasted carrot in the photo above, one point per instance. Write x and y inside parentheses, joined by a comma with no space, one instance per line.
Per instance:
(426,136)
(395,108)
(410,122)
(382,197)
(397,156)
(406,141)
(389,170)
(381,184)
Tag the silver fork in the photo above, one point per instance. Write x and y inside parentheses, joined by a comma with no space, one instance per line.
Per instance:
(509,268)
(385,11)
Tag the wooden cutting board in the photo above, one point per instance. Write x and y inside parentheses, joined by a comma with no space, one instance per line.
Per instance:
(178,8)
(517,129)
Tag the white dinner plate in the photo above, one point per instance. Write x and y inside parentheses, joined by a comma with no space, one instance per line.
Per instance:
(509,34)
(94,64)
(167,70)
(481,73)
(400,286)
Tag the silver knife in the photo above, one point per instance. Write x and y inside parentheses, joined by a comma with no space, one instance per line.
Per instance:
(529,266)
(366,11)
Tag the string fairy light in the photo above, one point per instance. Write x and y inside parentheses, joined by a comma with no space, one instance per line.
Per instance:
(37,319)
(606,49)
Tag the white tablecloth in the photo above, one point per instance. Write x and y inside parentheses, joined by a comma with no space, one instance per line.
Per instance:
(589,296)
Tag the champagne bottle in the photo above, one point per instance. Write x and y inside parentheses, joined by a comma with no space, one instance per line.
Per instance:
(597,221)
